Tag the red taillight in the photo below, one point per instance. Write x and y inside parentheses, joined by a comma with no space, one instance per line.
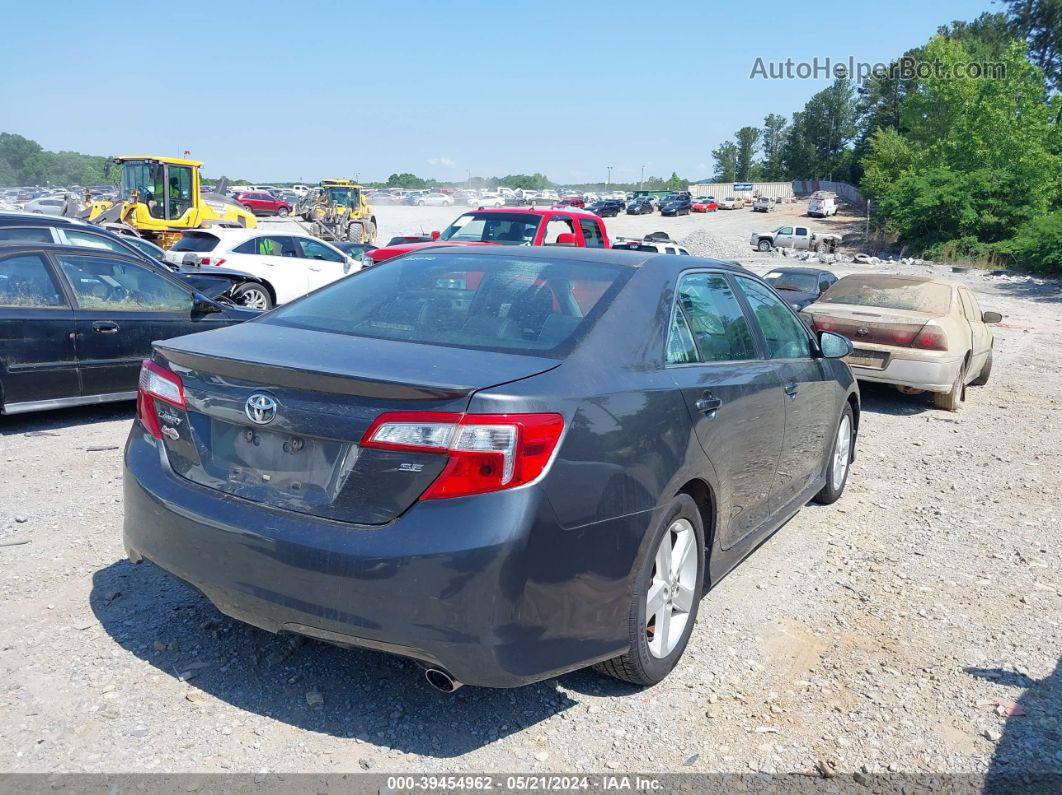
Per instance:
(212,261)
(156,383)
(930,338)
(486,452)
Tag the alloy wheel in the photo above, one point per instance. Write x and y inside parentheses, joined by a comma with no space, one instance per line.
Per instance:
(842,453)
(670,596)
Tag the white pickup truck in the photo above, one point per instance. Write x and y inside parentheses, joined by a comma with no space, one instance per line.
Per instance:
(796,237)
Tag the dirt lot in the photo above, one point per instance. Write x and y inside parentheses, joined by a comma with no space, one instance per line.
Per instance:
(892,631)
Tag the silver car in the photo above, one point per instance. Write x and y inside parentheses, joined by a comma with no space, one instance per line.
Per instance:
(46,205)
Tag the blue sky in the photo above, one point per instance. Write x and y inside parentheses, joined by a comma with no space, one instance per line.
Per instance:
(304,90)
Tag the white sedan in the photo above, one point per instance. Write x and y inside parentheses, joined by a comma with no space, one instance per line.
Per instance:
(435,200)
(287,266)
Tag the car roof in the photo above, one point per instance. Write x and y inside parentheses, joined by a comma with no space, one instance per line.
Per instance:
(628,259)
(7,246)
(34,219)
(784,269)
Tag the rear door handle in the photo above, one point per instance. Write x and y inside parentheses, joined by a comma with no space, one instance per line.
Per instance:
(791,389)
(708,403)
(105,327)
(315,269)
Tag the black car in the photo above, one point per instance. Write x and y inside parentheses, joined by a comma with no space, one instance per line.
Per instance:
(676,205)
(218,284)
(606,208)
(76,323)
(640,207)
(800,286)
(503,463)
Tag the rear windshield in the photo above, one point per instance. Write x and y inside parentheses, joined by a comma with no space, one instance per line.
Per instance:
(507,304)
(513,229)
(798,282)
(199,241)
(890,292)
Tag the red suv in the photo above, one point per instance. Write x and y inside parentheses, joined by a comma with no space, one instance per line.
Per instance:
(261,203)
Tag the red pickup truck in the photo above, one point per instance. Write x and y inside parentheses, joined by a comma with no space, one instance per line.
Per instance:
(511,226)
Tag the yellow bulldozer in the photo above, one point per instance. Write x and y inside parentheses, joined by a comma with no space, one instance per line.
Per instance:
(160,198)
(338,211)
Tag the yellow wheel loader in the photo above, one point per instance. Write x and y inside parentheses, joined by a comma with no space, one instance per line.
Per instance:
(160,198)
(338,211)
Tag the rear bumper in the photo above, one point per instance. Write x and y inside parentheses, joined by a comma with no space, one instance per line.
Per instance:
(932,375)
(489,588)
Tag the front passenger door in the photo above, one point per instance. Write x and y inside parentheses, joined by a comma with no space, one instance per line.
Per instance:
(733,395)
(783,238)
(323,263)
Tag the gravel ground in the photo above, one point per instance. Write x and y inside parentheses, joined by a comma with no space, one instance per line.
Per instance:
(914,626)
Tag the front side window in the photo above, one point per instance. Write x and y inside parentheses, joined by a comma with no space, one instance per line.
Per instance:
(115,285)
(505,304)
(315,249)
(26,282)
(785,230)
(787,337)
(76,237)
(969,305)
(720,328)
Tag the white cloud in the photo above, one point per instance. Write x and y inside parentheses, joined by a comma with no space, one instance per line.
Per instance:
(441,161)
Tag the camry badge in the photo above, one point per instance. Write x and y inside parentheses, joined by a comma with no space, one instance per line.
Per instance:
(261,409)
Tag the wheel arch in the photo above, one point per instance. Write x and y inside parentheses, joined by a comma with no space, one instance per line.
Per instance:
(853,401)
(702,494)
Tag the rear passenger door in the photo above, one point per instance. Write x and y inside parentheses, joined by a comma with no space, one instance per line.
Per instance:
(37,359)
(980,335)
(811,396)
(275,258)
(734,397)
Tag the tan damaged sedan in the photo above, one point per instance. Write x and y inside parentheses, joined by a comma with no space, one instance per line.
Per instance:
(920,334)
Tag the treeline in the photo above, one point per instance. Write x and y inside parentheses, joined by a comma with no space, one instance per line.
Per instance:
(24,162)
(955,167)
(527,182)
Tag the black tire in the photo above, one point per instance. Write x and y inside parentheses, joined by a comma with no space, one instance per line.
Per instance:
(282,212)
(764,245)
(370,234)
(986,371)
(639,666)
(832,492)
(953,400)
(252,295)
(356,232)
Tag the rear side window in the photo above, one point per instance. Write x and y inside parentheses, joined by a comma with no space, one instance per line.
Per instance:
(26,281)
(199,242)
(591,234)
(714,315)
(269,246)
(787,337)
(28,234)
(76,237)
(504,304)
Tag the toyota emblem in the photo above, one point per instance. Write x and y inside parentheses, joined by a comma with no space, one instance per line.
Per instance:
(261,409)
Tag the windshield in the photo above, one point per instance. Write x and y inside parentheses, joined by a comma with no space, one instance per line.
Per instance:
(799,282)
(508,229)
(348,197)
(508,304)
(890,292)
(146,178)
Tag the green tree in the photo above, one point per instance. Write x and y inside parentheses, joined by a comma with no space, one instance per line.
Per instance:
(726,161)
(747,138)
(1039,23)
(774,133)
(406,180)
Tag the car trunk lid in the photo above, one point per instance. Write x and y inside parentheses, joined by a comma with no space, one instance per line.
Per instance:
(282,427)
(867,324)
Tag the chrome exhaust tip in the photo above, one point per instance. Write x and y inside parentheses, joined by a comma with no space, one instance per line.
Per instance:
(441,680)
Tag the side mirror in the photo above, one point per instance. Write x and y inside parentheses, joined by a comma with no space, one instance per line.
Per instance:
(567,239)
(201,305)
(834,346)
(435,234)
(991,317)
